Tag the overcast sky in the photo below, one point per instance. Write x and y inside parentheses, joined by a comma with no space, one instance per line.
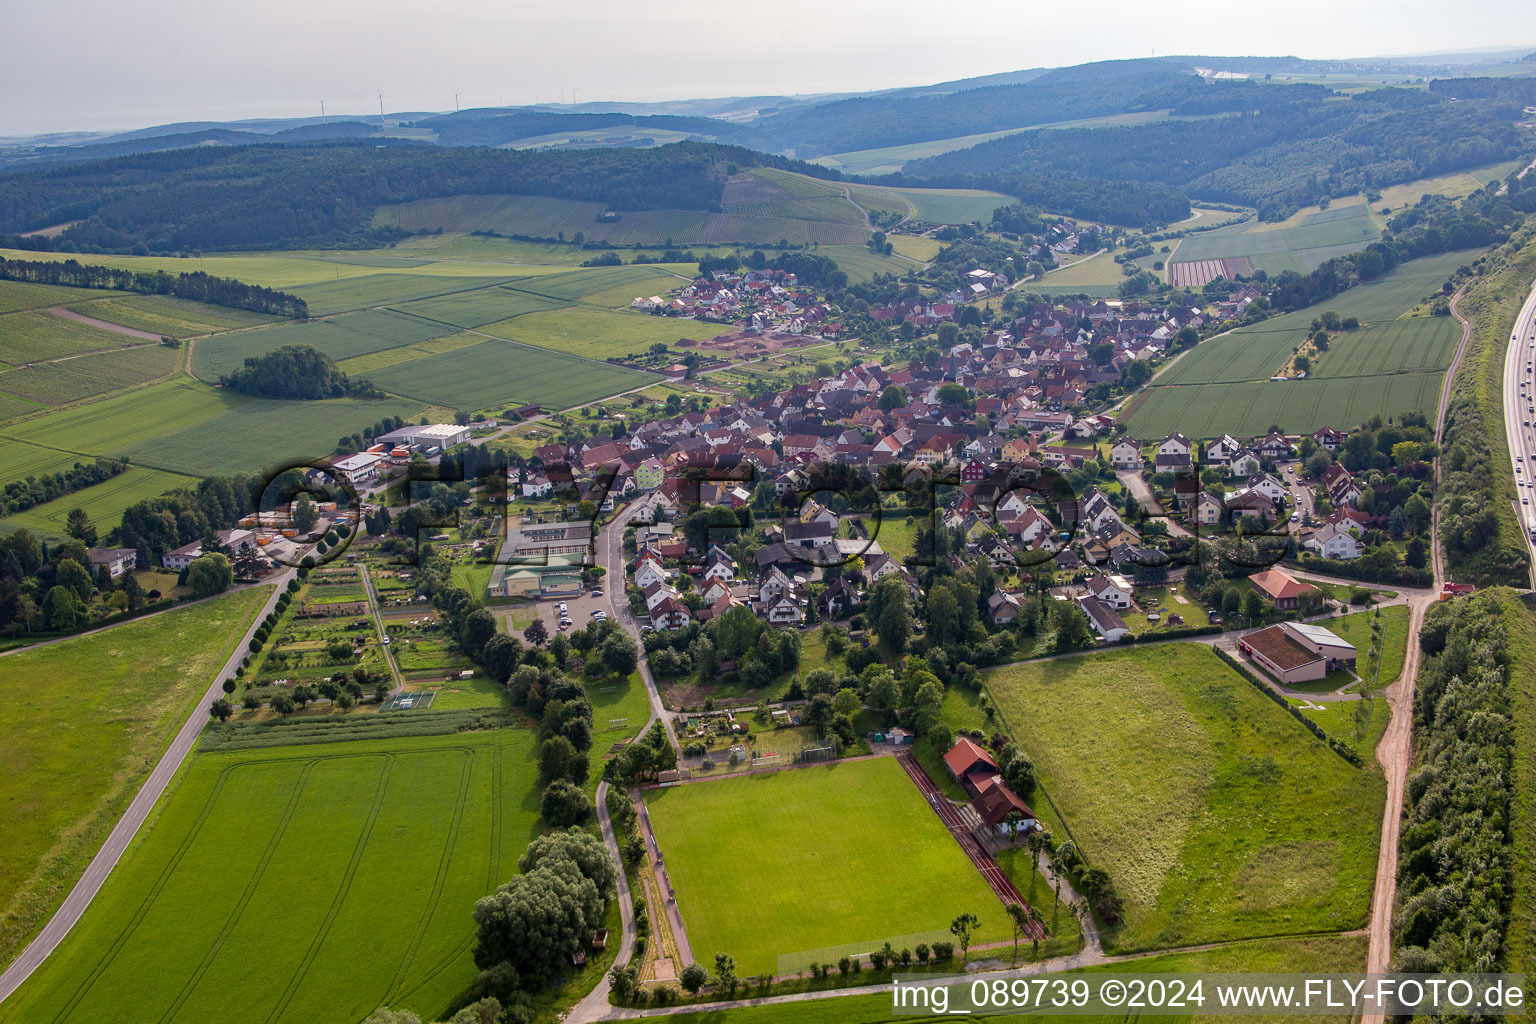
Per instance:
(94,64)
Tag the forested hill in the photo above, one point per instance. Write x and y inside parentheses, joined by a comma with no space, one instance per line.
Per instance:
(1289,152)
(1089,90)
(273,196)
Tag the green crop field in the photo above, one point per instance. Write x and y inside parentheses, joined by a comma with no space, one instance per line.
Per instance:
(107,426)
(318,882)
(375,289)
(496,373)
(778,843)
(85,721)
(1315,238)
(480,307)
(84,376)
(17,295)
(251,435)
(1389,365)
(571,285)
(339,337)
(103,502)
(186,427)
(601,333)
(952,205)
(34,336)
(19,461)
(1395,346)
(1249,826)
(1249,408)
(163,314)
(861,263)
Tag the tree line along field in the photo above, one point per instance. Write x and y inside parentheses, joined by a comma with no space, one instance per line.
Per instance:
(317,881)
(1313,953)
(791,861)
(1392,364)
(85,721)
(1250,826)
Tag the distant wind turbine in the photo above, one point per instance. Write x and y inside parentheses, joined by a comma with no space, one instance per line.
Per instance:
(381,110)
(455,101)
(322,110)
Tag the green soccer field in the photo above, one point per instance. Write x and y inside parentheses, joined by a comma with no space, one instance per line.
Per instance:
(788,861)
(1248,826)
(303,883)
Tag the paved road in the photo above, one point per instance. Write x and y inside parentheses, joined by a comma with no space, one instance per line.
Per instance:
(1133,481)
(106,859)
(1519,397)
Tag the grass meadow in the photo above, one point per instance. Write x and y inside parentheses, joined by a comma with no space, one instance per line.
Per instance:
(86,719)
(783,862)
(319,882)
(1249,826)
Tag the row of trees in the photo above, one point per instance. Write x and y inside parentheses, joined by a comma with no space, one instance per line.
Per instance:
(20,495)
(196,286)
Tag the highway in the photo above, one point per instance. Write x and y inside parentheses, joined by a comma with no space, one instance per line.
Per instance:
(1520,413)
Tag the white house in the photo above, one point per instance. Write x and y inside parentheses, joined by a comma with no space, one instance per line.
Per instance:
(1334,541)
(1126,454)
(1174,444)
(784,610)
(1113,590)
(1105,620)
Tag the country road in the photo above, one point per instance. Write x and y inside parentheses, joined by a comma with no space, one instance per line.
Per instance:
(1395,751)
(127,827)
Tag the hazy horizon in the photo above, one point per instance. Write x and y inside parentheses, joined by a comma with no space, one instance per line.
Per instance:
(86,70)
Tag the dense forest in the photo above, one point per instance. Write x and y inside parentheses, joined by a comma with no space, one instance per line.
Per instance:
(1453,872)
(274,196)
(296,371)
(1278,158)
(497,127)
(195,287)
(1066,94)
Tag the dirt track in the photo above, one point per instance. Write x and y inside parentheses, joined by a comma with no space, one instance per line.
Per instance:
(105,325)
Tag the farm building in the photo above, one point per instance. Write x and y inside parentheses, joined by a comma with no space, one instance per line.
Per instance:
(1295,652)
(432,435)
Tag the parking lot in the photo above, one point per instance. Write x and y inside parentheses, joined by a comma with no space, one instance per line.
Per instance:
(580,610)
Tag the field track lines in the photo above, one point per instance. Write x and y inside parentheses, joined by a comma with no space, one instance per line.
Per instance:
(493,873)
(429,909)
(244,900)
(149,897)
(341,893)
